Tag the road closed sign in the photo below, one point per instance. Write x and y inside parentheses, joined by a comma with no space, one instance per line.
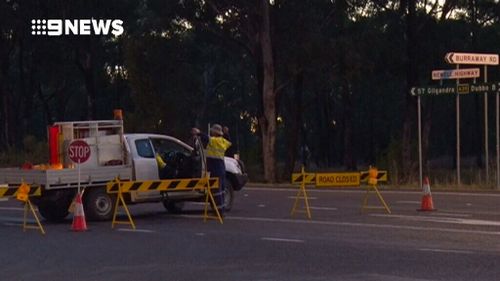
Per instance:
(79,151)
(337,179)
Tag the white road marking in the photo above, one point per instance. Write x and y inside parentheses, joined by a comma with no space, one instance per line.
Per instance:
(408,202)
(12,224)
(308,197)
(261,206)
(282,240)
(365,225)
(447,251)
(197,203)
(4,199)
(200,234)
(12,208)
(19,219)
(135,230)
(442,220)
(362,190)
(323,208)
(453,215)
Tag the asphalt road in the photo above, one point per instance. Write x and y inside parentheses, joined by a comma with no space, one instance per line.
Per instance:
(259,240)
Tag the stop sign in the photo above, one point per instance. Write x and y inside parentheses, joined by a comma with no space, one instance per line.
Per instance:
(79,151)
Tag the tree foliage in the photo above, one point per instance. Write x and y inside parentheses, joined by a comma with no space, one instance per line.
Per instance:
(324,82)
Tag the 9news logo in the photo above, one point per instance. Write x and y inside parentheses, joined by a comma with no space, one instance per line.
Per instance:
(58,27)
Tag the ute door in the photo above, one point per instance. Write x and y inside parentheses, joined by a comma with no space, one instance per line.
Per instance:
(176,155)
(145,167)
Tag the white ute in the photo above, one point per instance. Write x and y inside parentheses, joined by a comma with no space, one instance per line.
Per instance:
(115,154)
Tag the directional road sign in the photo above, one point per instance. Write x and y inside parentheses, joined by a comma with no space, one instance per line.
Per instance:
(460,89)
(466,58)
(455,73)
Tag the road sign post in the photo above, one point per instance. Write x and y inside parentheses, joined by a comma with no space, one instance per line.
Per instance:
(485,60)
(498,138)
(78,152)
(459,182)
(419,117)
(486,144)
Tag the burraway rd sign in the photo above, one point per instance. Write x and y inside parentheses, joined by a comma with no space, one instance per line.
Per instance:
(455,73)
(466,58)
(460,89)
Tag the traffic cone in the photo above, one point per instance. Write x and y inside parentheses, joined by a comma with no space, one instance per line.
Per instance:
(427,204)
(79,223)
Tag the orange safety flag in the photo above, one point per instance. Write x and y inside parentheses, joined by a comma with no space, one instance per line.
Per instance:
(372,175)
(22,192)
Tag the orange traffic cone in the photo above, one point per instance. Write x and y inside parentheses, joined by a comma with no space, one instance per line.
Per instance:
(427,204)
(79,223)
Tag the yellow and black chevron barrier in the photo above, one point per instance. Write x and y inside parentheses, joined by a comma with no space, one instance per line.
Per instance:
(202,184)
(307,178)
(372,180)
(162,185)
(303,178)
(11,191)
(23,193)
(381,176)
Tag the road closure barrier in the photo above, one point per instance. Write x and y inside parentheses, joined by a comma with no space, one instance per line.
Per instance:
(339,180)
(23,194)
(304,179)
(205,184)
(381,176)
(372,186)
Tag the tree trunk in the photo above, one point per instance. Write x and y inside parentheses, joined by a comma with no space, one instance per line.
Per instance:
(295,113)
(409,113)
(90,86)
(86,65)
(426,133)
(268,120)
(7,104)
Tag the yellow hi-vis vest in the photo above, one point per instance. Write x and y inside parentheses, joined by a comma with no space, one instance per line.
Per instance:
(160,162)
(217,146)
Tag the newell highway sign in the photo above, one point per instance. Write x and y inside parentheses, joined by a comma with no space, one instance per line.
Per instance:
(456,89)
(466,58)
(455,73)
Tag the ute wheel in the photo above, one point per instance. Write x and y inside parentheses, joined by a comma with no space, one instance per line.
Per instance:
(228,194)
(98,204)
(53,211)
(174,207)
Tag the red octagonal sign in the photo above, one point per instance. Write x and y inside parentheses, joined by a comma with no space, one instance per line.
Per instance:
(79,151)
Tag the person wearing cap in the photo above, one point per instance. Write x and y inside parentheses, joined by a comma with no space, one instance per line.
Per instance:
(216,146)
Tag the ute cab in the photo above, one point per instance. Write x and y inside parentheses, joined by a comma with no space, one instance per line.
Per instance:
(182,161)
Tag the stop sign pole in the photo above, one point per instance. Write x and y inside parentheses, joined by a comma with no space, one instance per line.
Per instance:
(79,152)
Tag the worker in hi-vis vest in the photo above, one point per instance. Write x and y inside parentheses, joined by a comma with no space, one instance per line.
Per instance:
(216,146)
(162,166)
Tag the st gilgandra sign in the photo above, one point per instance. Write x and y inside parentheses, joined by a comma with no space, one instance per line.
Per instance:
(456,89)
